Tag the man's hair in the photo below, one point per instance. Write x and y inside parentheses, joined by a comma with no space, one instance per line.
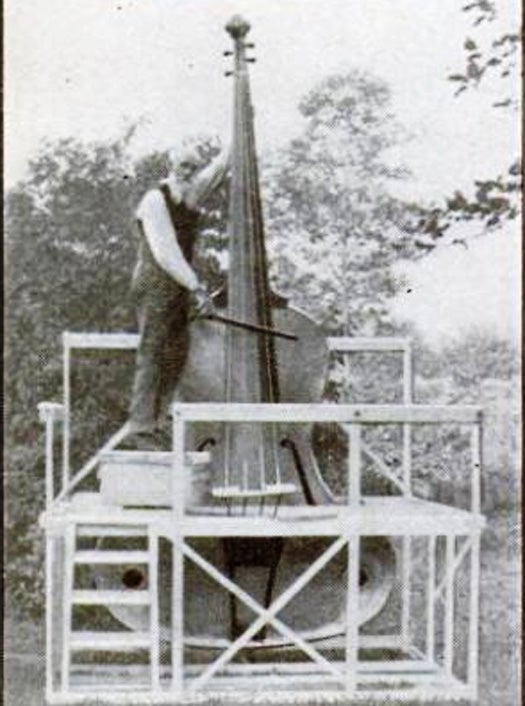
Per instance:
(185,161)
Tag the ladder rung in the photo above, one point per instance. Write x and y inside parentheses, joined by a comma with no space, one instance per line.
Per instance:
(99,556)
(111,689)
(102,641)
(108,530)
(126,597)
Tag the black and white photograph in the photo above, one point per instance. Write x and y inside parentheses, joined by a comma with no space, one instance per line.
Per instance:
(262,302)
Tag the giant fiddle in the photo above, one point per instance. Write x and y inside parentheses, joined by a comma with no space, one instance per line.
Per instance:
(256,468)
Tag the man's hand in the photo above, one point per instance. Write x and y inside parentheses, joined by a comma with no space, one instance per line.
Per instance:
(204,183)
(201,303)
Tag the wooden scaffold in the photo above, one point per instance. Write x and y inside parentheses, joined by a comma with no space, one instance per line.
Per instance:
(423,665)
(227,565)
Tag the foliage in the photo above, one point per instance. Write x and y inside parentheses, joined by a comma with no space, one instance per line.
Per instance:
(495,200)
(70,251)
(478,369)
(70,248)
(470,359)
(328,202)
(498,58)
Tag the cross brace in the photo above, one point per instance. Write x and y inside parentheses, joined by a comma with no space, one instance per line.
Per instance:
(266,616)
(450,571)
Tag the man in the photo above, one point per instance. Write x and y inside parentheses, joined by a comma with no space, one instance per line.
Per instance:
(166,289)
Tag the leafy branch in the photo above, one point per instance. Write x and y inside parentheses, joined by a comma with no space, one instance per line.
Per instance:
(499,58)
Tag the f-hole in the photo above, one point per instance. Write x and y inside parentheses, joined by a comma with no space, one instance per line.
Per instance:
(363,577)
(208,442)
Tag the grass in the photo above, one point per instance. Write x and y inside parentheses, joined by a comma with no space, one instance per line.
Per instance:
(499,630)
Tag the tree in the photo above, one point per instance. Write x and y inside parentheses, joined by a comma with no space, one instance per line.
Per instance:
(496,58)
(70,250)
(334,228)
(495,200)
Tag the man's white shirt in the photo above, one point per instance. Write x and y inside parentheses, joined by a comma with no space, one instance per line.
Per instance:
(156,221)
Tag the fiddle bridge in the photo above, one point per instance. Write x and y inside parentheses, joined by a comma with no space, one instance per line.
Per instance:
(270,491)
(253,469)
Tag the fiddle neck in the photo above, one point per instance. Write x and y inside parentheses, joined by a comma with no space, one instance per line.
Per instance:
(249,292)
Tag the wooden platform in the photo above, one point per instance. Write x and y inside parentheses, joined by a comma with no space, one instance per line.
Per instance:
(375,516)
(146,497)
(273,683)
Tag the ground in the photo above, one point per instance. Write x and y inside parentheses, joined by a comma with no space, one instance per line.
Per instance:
(499,628)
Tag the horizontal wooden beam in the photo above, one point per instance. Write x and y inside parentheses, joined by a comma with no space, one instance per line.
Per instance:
(103,341)
(106,556)
(153,458)
(364,344)
(342,413)
(314,690)
(103,597)
(98,641)
(375,516)
(50,410)
(123,340)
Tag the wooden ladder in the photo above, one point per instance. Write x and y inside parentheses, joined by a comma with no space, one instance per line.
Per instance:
(146,594)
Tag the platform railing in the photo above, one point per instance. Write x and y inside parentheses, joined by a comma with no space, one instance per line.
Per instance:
(348,345)
(52,413)
(354,418)
(351,417)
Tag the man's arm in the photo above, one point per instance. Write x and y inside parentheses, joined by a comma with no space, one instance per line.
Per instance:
(206,181)
(166,250)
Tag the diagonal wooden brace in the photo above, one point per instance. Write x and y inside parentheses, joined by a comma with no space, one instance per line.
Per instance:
(268,615)
(451,570)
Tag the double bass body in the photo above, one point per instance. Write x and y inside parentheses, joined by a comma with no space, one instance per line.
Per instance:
(257,466)
(252,468)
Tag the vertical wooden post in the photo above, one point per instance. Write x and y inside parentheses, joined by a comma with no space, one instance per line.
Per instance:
(407,492)
(352,615)
(177,618)
(354,465)
(178,469)
(352,589)
(405,590)
(153,564)
(408,395)
(49,615)
(67,410)
(476,452)
(473,633)
(431,599)
(177,584)
(449,604)
(50,485)
(67,603)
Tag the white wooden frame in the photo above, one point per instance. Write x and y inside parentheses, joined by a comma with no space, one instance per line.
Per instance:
(403,346)
(429,677)
(353,677)
(352,417)
(54,412)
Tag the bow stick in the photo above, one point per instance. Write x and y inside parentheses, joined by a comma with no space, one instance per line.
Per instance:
(251,327)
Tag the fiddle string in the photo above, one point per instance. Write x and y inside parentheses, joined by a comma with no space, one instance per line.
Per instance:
(229,333)
(254,218)
(271,391)
(249,256)
(238,260)
(246,252)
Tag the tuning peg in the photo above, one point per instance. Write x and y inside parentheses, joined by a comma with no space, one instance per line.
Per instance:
(251,60)
(227,53)
(228,73)
(249,45)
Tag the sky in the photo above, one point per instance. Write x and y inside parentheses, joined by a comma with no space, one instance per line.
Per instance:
(92,67)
